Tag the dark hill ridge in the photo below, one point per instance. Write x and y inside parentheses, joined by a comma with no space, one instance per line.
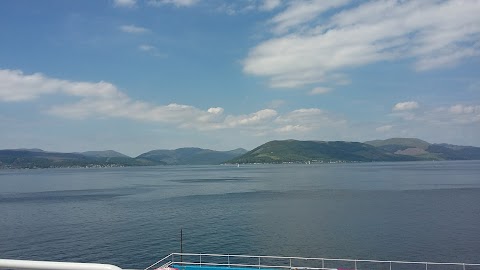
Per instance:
(104,154)
(190,156)
(36,158)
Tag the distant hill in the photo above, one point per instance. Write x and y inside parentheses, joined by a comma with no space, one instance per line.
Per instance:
(395,149)
(36,158)
(454,152)
(190,156)
(316,151)
(105,154)
(427,151)
(22,158)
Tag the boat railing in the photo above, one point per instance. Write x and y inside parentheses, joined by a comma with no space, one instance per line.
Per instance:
(299,263)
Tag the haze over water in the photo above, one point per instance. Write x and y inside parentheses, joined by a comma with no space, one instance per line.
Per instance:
(131,217)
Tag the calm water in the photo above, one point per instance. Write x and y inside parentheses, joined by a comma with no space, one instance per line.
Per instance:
(132,216)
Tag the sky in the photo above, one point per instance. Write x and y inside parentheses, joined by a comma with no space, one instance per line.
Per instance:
(138,75)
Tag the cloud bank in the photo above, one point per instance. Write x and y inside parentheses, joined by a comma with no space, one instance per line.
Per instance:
(311,43)
(105,100)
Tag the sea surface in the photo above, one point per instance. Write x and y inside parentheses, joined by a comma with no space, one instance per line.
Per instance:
(131,217)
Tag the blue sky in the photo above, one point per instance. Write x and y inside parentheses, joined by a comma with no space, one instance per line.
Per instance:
(137,75)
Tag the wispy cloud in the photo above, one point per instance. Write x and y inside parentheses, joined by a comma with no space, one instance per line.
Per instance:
(242,7)
(146,47)
(312,43)
(152,50)
(300,12)
(405,106)
(125,3)
(269,5)
(177,3)
(132,29)
(308,119)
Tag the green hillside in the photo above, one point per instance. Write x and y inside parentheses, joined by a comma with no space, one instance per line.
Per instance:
(316,151)
(400,143)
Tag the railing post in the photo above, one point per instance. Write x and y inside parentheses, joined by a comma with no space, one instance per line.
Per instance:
(290,263)
(355,264)
(258,262)
(463,266)
(390,265)
(200,259)
(228,257)
(323,263)
(426,266)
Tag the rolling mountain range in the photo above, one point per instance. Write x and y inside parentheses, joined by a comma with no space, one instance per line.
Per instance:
(395,149)
(37,158)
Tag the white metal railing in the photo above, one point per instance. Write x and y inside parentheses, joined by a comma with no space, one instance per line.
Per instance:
(298,263)
(44,265)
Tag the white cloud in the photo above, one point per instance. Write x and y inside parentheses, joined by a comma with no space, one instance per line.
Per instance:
(251,119)
(15,86)
(464,109)
(152,50)
(448,117)
(105,100)
(405,106)
(320,90)
(132,29)
(311,46)
(125,3)
(177,3)
(292,128)
(269,5)
(216,110)
(308,119)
